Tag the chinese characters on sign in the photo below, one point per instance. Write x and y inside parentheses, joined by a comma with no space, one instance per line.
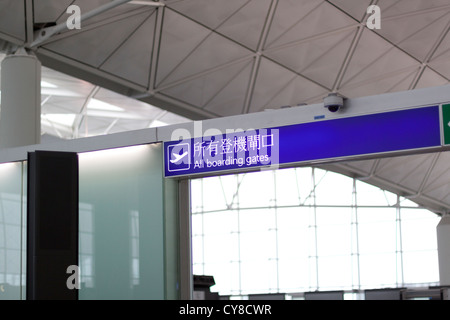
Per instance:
(227,151)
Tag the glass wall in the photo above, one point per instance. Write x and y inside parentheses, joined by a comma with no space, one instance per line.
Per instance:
(12,230)
(126,215)
(306,229)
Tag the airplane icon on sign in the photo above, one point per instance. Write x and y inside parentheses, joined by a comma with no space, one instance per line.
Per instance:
(178,157)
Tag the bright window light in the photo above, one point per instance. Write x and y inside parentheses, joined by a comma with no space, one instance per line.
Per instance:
(65,119)
(100,105)
(261,233)
(46,84)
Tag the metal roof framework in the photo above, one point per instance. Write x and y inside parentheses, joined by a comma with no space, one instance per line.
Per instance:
(202,59)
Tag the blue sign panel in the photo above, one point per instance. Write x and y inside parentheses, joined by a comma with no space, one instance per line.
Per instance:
(361,135)
(229,151)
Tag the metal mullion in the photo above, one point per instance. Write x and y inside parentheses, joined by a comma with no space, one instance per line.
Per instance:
(398,244)
(356,226)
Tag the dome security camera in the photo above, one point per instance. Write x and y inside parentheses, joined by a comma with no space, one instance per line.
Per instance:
(333,102)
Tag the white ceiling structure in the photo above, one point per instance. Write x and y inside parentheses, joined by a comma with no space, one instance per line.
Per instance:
(73,108)
(136,64)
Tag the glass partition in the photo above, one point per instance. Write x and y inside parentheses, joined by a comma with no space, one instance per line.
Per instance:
(127,220)
(12,230)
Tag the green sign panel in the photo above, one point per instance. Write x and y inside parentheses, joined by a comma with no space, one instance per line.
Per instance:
(446,124)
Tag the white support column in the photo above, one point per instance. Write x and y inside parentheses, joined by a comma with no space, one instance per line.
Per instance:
(20,114)
(443,241)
